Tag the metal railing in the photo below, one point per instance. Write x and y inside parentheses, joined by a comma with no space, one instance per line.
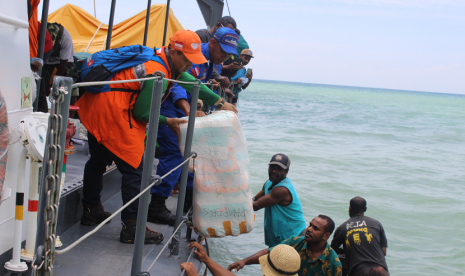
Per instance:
(15,22)
(51,177)
(59,87)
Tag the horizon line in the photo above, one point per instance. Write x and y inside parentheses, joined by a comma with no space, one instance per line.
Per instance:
(365,87)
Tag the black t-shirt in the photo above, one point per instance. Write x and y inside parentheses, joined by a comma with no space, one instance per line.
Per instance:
(229,73)
(205,35)
(363,239)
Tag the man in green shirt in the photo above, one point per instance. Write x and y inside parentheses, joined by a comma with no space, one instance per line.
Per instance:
(317,257)
(141,109)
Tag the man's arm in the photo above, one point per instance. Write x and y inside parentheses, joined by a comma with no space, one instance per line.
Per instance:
(215,269)
(190,269)
(383,241)
(248,261)
(224,81)
(205,94)
(259,195)
(141,109)
(185,107)
(173,124)
(235,66)
(336,242)
(249,76)
(277,195)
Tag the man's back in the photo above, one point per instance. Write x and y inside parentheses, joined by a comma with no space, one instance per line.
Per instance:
(363,239)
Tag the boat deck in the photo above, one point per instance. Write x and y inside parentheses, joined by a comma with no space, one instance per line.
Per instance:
(102,253)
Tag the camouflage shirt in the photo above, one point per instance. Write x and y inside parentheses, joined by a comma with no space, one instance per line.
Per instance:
(327,264)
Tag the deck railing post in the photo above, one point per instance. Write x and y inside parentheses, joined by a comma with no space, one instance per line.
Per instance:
(110,24)
(166,22)
(41,46)
(147,21)
(174,245)
(149,154)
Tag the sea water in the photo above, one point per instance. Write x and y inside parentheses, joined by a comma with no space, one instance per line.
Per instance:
(403,151)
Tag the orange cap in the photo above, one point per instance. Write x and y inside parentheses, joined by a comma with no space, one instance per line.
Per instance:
(188,43)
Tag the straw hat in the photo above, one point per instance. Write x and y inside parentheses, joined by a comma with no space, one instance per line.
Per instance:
(282,260)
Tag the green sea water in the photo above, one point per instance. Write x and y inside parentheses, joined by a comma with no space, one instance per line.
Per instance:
(403,151)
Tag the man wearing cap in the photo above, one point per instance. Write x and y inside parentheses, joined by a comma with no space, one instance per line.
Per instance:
(317,258)
(242,79)
(283,260)
(283,211)
(223,43)
(117,134)
(207,34)
(364,241)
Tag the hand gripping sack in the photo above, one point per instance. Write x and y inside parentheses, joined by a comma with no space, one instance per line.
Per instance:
(222,204)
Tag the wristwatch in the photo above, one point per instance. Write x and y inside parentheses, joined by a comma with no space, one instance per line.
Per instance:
(220,105)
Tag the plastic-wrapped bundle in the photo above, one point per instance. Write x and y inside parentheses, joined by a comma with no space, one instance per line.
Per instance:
(222,197)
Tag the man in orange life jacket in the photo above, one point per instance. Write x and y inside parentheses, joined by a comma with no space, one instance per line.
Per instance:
(219,49)
(114,134)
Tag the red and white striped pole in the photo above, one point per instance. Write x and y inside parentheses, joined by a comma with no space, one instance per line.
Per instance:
(15,264)
(32,207)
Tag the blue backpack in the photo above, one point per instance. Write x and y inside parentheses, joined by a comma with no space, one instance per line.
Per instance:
(103,65)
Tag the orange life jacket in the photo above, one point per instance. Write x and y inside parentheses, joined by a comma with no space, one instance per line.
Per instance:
(108,118)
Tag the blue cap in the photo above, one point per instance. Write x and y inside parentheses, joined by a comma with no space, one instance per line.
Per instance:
(228,39)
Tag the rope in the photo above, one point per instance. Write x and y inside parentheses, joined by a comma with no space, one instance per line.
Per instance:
(94,83)
(228,7)
(168,241)
(118,211)
(183,273)
(185,82)
(88,45)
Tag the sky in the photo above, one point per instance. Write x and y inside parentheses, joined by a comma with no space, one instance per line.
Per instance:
(414,45)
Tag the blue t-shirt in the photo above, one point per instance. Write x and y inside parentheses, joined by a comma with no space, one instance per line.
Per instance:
(282,222)
(240,74)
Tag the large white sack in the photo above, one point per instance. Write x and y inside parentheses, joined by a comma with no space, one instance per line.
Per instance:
(222,198)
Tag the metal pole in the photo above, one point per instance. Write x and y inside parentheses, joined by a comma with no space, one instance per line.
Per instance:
(147,175)
(32,215)
(185,168)
(147,21)
(43,29)
(110,24)
(64,122)
(15,265)
(40,50)
(40,236)
(166,21)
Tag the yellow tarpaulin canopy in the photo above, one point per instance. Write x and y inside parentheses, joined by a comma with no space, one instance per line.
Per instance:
(82,26)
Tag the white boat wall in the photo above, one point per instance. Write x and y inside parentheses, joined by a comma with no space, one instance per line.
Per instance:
(17,86)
